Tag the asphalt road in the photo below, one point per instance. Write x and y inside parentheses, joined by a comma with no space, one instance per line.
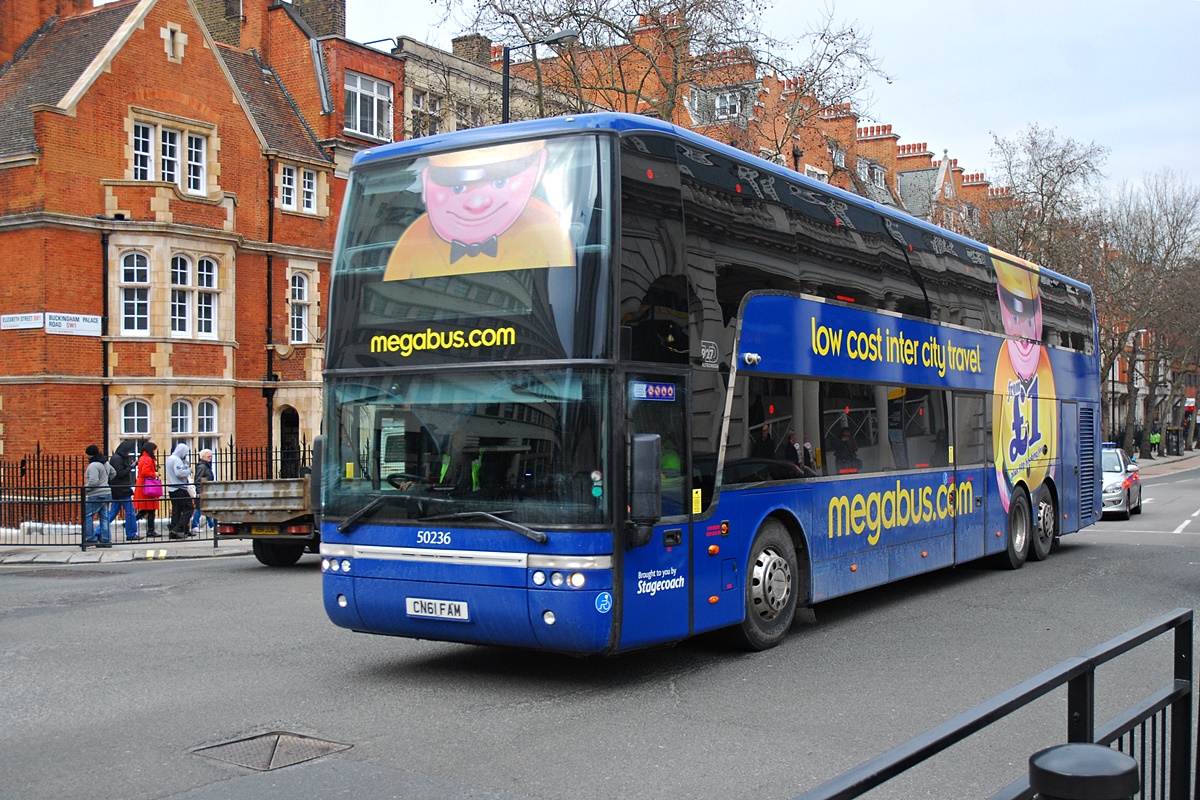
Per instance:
(114,675)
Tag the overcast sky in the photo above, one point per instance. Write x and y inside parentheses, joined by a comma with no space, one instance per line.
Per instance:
(1125,75)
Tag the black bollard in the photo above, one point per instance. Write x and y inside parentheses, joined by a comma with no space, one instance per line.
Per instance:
(1083,772)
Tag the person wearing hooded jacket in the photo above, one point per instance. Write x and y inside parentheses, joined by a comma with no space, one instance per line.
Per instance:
(124,464)
(97,498)
(177,480)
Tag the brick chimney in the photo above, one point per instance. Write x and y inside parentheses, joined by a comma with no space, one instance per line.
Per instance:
(473,47)
(325,17)
(20,19)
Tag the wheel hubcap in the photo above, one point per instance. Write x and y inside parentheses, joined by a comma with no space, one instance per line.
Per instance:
(1018,529)
(770,584)
(1045,520)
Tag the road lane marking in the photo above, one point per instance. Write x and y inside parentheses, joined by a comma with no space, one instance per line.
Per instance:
(1196,513)
(1186,522)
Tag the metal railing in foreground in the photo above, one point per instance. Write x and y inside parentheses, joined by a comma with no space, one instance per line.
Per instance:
(1157,731)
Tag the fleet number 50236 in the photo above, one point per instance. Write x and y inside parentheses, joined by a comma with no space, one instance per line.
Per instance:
(433,537)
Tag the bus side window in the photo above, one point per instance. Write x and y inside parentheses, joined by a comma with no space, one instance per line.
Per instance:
(972,429)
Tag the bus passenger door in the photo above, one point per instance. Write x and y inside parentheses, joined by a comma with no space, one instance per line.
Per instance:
(655,577)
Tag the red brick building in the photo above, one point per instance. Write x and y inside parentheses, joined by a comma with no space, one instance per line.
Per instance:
(170,176)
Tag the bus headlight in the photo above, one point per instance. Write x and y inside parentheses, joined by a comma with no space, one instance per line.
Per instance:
(556,579)
(539,578)
(548,617)
(576,580)
(324,564)
(346,565)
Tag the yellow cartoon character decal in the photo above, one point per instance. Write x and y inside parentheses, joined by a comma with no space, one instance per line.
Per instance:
(481,216)
(1025,414)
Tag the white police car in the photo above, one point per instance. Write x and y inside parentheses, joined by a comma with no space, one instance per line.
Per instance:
(1122,487)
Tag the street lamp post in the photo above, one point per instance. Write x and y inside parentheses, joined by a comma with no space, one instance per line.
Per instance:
(506,63)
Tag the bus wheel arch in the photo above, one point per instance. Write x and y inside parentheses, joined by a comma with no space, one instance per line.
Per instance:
(1046,530)
(1019,530)
(775,572)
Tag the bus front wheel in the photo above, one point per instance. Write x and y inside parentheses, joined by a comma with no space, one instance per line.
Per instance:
(770,588)
(1020,528)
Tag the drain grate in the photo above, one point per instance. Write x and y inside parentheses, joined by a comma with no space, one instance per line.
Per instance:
(269,751)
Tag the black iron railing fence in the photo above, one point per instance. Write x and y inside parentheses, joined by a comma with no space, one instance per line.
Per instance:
(42,495)
(1157,731)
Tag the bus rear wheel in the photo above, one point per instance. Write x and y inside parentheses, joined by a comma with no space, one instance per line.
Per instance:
(274,554)
(770,588)
(1020,528)
(1045,526)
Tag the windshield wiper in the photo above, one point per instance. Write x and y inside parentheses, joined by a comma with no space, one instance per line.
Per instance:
(370,508)
(527,532)
(366,511)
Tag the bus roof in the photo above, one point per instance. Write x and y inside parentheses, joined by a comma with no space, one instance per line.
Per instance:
(624,124)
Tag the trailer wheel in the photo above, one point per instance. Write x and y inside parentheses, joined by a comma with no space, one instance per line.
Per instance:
(770,588)
(274,554)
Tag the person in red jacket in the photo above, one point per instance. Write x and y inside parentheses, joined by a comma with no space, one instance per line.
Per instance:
(147,467)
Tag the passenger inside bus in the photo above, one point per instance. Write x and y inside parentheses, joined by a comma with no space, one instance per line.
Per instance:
(846,453)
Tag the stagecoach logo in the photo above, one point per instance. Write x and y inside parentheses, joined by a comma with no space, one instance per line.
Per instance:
(653,581)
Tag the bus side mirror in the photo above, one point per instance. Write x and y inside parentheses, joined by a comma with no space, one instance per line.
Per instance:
(314,479)
(645,489)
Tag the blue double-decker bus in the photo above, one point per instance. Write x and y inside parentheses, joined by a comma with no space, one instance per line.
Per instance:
(598,383)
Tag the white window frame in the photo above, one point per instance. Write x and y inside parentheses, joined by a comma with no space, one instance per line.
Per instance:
(467,116)
(879,176)
(181,422)
(208,418)
(816,173)
(864,170)
(134,288)
(168,150)
(378,95)
(727,105)
(181,295)
(135,419)
(195,423)
(143,151)
(197,164)
(287,187)
(426,114)
(194,300)
(299,307)
(308,191)
(207,297)
(172,153)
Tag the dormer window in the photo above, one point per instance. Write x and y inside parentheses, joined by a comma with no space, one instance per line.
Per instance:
(728,104)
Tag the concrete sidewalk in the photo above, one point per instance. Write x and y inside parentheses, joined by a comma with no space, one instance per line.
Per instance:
(159,551)
(142,551)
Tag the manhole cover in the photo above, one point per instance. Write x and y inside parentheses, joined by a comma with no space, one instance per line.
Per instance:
(269,751)
(64,573)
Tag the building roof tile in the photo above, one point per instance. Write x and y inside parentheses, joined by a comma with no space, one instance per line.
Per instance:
(273,109)
(48,66)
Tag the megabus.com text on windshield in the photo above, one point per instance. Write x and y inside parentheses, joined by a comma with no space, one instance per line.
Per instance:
(408,343)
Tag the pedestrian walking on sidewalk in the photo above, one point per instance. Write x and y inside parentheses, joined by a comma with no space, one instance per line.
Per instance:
(147,503)
(179,484)
(98,498)
(204,474)
(124,463)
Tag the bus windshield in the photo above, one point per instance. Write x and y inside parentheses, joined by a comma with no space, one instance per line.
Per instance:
(524,445)
(498,252)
